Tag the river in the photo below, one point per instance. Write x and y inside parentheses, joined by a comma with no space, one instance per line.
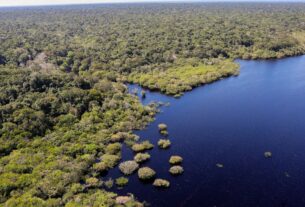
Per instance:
(233,122)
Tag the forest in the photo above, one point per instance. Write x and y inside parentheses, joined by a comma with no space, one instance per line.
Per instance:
(65,110)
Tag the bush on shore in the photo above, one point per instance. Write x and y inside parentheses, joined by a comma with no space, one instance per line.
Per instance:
(114,148)
(110,160)
(100,167)
(139,147)
(121,136)
(93,182)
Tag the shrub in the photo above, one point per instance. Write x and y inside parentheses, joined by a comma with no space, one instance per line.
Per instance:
(162,127)
(161,183)
(147,145)
(100,167)
(28,200)
(268,154)
(164,132)
(141,157)
(11,181)
(146,173)
(121,200)
(108,183)
(176,170)
(53,184)
(110,160)
(113,148)
(219,165)
(164,143)
(121,181)
(129,142)
(93,182)
(117,137)
(120,136)
(175,159)
(128,167)
(76,188)
(139,147)
(91,198)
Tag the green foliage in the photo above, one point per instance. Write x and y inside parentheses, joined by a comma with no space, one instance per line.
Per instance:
(128,167)
(139,147)
(92,198)
(100,167)
(146,173)
(162,126)
(176,170)
(180,77)
(164,143)
(175,159)
(141,157)
(53,185)
(114,148)
(121,181)
(63,102)
(12,181)
(93,182)
(31,201)
(161,183)
(204,31)
(165,132)
(108,183)
(110,160)
(54,128)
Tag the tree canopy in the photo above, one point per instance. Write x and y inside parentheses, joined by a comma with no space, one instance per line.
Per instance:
(64,104)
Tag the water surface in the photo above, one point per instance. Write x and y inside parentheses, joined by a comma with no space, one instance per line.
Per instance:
(232,122)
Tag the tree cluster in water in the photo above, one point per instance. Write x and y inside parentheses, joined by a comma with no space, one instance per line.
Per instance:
(64,108)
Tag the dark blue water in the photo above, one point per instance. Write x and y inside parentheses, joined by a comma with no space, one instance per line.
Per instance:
(233,122)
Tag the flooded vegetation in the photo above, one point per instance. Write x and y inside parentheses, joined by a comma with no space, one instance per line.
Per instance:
(164,143)
(141,157)
(121,181)
(140,147)
(128,167)
(161,183)
(268,154)
(176,170)
(146,173)
(231,154)
(175,159)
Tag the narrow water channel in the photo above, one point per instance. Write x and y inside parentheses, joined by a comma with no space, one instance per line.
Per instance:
(232,122)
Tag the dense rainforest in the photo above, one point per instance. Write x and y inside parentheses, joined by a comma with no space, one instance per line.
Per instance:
(65,110)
